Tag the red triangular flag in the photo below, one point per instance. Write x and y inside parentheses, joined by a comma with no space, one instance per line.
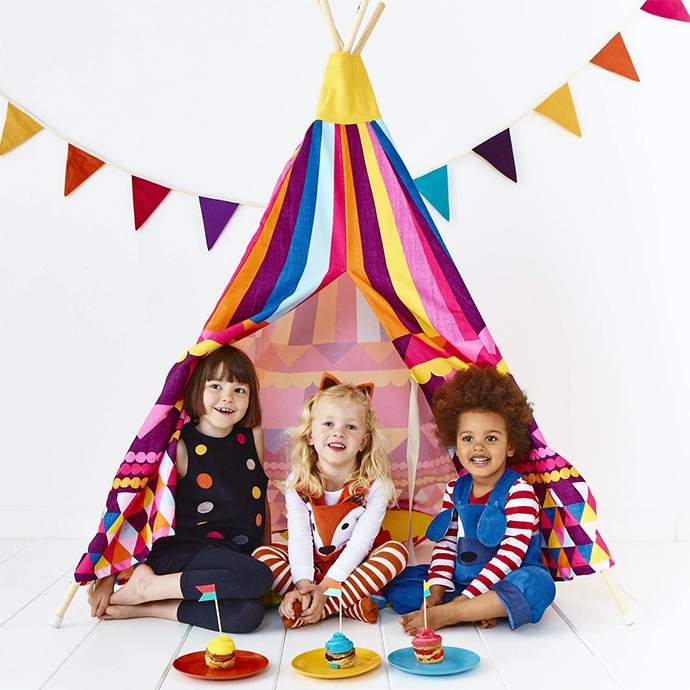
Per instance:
(614,57)
(668,9)
(216,214)
(80,166)
(499,152)
(146,197)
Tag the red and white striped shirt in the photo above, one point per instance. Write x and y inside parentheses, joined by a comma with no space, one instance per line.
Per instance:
(522,514)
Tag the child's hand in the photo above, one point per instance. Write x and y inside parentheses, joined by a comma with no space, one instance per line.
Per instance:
(287,606)
(312,614)
(99,597)
(436,596)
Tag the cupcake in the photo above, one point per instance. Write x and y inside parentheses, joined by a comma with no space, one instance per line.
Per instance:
(427,646)
(340,652)
(220,653)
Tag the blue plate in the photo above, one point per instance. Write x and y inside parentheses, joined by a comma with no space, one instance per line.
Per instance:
(455,660)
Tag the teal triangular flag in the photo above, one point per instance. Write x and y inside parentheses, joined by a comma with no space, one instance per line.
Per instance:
(434,188)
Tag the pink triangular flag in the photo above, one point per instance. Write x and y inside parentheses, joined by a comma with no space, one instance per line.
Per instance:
(668,9)
(146,197)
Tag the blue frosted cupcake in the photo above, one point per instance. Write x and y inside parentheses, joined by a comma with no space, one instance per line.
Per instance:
(340,652)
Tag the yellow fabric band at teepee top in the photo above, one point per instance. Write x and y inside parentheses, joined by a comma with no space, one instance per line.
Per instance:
(346,94)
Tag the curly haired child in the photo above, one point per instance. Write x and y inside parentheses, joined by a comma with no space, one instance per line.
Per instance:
(336,498)
(487,562)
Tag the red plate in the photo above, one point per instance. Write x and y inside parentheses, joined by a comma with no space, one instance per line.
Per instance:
(246,664)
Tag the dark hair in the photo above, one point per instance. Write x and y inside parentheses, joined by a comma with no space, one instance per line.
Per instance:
(227,363)
(483,389)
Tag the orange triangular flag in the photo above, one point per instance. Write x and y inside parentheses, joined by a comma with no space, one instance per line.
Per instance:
(18,128)
(146,197)
(80,166)
(560,108)
(614,57)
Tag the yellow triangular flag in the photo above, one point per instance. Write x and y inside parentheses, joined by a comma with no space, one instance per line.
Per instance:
(18,128)
(560,108)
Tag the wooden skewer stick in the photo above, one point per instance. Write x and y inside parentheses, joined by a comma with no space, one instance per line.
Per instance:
(56,620)
(357,23)
(328,17)
(628,617)
(369,28)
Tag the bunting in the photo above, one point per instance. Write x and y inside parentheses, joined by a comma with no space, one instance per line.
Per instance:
(80,166)
(667,9)
(614,57)
(560,108)
(146,197)
(434,188)
(496,150)
(216,214)
(19,127)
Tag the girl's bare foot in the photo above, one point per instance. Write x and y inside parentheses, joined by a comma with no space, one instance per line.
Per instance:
(436,618)
(153,609)
(135,590)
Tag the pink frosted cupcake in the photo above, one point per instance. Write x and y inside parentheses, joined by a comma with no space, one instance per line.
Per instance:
(427,646)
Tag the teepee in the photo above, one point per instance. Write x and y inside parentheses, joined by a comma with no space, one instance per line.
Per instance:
(346,273)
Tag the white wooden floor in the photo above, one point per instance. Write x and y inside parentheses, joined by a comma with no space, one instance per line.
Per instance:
(580,643)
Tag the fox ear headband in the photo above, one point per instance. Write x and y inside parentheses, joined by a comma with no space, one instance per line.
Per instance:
(328,381)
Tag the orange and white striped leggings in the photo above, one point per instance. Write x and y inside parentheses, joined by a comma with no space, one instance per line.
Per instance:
(382,565)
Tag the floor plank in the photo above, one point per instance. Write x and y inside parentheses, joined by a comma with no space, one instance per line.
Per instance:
(581,641)
(9,547)
(28,632)
(29,571)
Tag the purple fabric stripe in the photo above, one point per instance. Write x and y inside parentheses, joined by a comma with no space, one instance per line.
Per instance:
(372,246)
(267,276)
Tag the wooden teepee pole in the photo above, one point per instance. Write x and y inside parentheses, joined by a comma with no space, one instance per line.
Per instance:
(328,17)
(355,26)
(369,28)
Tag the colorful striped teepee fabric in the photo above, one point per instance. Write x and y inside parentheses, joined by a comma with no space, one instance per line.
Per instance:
(346,273)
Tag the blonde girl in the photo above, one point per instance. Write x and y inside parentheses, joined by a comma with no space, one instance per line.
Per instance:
(336,498)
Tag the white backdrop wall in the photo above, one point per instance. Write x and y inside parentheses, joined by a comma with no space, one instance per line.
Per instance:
(579,270)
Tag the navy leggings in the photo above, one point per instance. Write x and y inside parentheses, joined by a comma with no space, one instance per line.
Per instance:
(240,582)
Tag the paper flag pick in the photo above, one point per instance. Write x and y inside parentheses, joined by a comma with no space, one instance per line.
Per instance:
(560,108)
(614,57)
(434,188)
(146,197)
(208,592)
(18,128)
(427,589)
(333,588)
(499,152)
(668,9)
(216,215)
(80,166)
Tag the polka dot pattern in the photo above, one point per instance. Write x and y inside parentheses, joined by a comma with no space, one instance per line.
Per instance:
(256,492)
(259,519)
(250,464)
(205,507)
(205,481)
(201,449)
(241,439)
(214,535)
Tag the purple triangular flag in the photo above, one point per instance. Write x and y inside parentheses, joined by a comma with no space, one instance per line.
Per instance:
(216,214)
(499,152)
